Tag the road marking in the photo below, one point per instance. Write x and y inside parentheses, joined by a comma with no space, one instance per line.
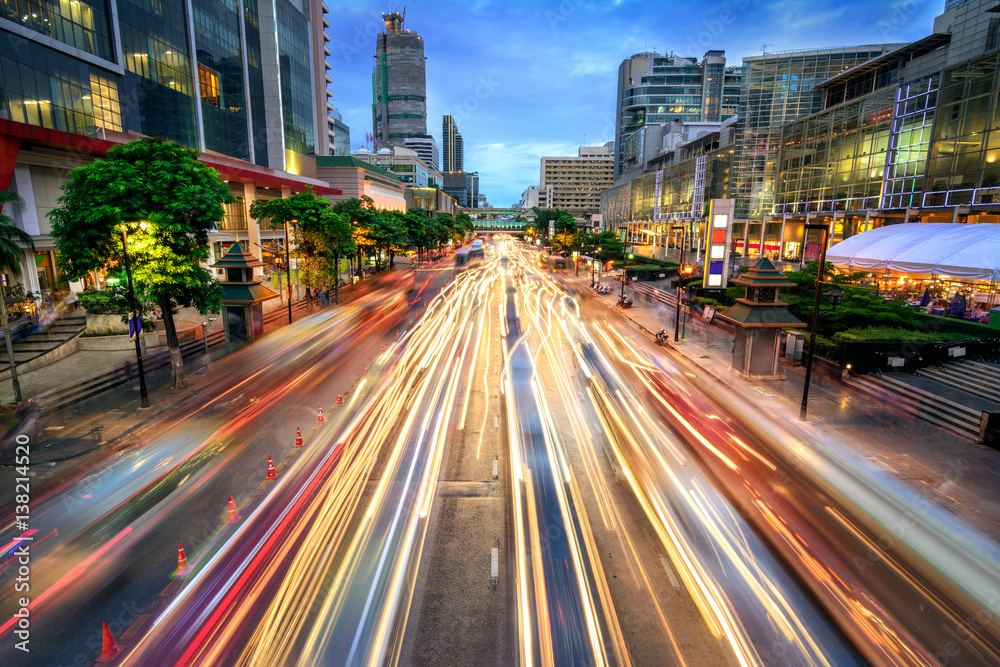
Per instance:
(495,468)
(139,622)
(496,423)
(54,428)
(495,562)
(670,573)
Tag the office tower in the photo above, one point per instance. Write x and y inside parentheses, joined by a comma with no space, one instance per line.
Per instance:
(778,88)
(472,181)
(427,149)
(339,134)
(212,88)
(239,82)
(399,84)
(453,149)
(657,88)
(457,185)
(575,183)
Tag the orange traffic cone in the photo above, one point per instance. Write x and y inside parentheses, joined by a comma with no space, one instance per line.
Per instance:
(109,647)
(233,515)
(383,347)
(298,437)
(271,472)
(321,419)
(182,561)
(365,372)
(397,334)
(340,398)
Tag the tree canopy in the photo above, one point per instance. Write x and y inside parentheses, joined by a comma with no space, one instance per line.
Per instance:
(166,201)
(11,235)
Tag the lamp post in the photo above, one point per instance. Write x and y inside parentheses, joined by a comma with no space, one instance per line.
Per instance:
(624,268)
(836,296)
(133,306)
(680,273)
(288,265)
(204,334)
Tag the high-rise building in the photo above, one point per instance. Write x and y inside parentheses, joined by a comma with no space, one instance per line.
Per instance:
(457,185)
(575,183)
(657,88)
(339,134)
(78,77)
(453,148)
(427,149)
(473,186)
(778,88)
(399,84)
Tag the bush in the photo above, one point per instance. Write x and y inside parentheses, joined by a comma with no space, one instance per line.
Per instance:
(892,334)
(658,262)
(103,302)
(934,323)
(704,301)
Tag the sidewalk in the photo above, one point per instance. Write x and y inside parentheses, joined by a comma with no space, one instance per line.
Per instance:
(958,475)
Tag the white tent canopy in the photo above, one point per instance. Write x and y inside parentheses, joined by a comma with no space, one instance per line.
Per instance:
(971,252)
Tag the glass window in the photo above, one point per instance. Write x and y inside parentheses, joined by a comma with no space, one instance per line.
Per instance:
(208,82)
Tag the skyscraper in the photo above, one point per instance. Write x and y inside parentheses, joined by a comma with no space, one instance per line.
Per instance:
(211,88)
(427,149)
(399,84)
(656,88)
(243,83)
(453,149)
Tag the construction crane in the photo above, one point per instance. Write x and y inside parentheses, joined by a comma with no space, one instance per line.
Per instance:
(763,49)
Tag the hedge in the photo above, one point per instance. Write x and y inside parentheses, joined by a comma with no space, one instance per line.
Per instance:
(659,262)
(934,323)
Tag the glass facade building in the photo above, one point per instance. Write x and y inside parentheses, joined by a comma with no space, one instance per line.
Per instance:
(192,71)
(656,88)
(776,89)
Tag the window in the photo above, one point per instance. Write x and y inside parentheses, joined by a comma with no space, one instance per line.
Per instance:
(208,81)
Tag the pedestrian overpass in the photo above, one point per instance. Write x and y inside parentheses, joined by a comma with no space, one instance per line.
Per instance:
(497,220)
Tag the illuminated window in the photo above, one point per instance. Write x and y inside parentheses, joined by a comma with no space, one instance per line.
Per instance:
(104,99)
(209,84)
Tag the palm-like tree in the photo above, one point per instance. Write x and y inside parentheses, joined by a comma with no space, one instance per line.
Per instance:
(10,259)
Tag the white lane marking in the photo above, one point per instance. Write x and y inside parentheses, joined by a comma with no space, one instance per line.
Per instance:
(670,573)
(495,562)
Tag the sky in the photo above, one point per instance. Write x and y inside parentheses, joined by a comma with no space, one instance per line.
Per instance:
(530,79)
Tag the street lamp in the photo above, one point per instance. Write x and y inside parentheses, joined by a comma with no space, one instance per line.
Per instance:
(836,296)
(133,306)
(204,333)
(680,272)
(288,266)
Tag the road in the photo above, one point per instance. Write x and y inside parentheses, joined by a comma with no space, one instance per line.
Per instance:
(514,476)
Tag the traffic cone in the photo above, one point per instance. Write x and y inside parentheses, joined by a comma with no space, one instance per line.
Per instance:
(383,347)
(298,436)
(321,419)
(271,472)
(397,334)
(365,372)
(340,398)
(233,515)
(109,647)
(182,561)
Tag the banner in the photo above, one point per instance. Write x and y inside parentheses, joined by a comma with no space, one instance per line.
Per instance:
(134,326)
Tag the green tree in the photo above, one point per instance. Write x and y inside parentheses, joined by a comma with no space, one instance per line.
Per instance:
(388,235)
(10,259)
(361,214)
(167,201)
(320,235)
(418,229)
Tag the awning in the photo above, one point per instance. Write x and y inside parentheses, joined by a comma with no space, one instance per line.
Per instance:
(964,251)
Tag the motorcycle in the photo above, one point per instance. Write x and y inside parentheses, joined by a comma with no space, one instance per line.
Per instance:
(625,301)
(662,337)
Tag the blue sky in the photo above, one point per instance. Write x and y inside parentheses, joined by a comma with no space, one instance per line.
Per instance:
(527,79)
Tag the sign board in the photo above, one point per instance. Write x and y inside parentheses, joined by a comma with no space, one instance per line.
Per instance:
(718,236)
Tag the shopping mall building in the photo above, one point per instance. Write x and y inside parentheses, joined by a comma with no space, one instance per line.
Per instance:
(851,137)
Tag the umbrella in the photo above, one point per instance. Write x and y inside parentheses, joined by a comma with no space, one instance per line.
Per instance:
(926,298)
(954,305)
